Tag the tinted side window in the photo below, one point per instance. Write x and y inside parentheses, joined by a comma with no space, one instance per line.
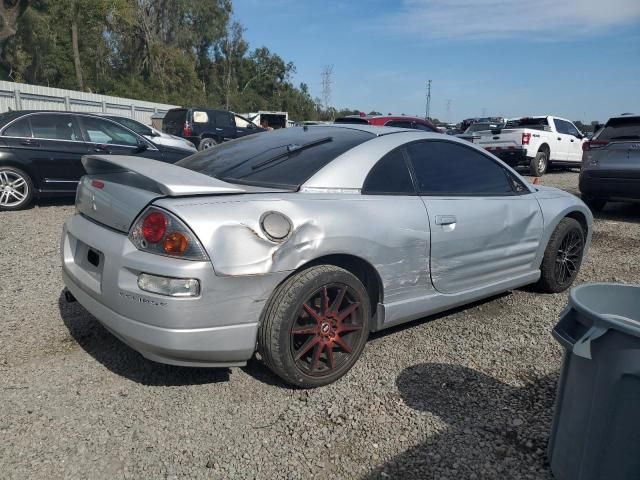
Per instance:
(422,126)
(20,128)
(399,124)
(223,119)
(389,176)
(446,168)
(104,131)
(54,127)
(572,130)
(561,126)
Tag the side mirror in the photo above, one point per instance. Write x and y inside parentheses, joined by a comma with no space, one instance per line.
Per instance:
(142,146)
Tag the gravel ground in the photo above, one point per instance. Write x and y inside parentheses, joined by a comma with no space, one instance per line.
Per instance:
(463,395)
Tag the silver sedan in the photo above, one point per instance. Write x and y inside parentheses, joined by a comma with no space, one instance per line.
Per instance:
(298,243)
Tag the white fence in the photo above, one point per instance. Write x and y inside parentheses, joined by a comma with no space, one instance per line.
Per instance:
(21,96)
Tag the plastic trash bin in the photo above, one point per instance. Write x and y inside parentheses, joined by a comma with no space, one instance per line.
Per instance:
(596,425)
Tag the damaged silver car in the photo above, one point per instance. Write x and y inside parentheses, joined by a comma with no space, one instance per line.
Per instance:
(299,242)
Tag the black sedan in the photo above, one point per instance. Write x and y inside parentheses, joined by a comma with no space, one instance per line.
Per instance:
(40,152)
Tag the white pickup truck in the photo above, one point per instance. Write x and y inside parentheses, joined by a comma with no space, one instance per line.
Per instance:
(536,142)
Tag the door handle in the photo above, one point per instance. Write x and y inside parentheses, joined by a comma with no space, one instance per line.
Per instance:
(102,148)
(559,139)
(571,140)
(29,143)
(218,129)
(445,219)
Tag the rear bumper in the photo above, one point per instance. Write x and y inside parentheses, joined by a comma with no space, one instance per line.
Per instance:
(610,184)
(217,328)
(510,155)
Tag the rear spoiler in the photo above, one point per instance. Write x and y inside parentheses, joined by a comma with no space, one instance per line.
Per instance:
(170,179)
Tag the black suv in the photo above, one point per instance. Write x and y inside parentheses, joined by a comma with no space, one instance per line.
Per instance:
(205,127)
(41,151)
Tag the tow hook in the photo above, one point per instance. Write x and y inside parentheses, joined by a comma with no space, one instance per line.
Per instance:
(68,296)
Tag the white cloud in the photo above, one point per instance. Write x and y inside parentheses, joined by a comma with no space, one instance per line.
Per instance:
(496,19)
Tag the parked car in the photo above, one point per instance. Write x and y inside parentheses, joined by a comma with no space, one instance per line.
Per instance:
(611,163)
(301,241)
(399,121)
(40,152)
(151,134)
(205,127)
(536,142)
(472,133)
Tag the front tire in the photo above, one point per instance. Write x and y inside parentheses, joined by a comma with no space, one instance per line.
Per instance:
(315,326)
(562,257)
(538,165)
(16,189)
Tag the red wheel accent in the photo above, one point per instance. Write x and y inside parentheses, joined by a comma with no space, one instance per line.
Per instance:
(328,325)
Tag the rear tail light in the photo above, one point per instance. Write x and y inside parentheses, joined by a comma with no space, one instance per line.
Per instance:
(187,131)
(158,231)
(525,138)
(593,144)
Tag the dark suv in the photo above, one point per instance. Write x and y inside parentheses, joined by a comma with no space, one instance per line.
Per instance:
(611,163)
(205,127)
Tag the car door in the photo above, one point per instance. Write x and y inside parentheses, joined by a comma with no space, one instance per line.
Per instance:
(107,137)
(244,126)
(225,125)
(52,145)
(574,153)
(560,151)
(485,223)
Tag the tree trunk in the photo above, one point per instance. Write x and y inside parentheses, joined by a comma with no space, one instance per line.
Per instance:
(76,53)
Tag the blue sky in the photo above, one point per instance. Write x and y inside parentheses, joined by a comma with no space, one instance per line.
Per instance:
(573,58)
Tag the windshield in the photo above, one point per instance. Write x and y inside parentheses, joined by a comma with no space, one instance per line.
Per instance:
(284,158)
(137,127)
(625,128)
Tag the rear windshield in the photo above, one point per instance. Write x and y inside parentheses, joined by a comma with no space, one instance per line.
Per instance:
(284,158)
(625,128)
(528,122)
(478,127)
(352,120)
(175,116)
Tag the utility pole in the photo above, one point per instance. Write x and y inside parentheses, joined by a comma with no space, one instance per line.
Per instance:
(448,110)
(427,112)
(327,71)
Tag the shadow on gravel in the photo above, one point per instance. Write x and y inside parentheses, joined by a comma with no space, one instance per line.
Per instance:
(493,430)
(124,361)
(620,212)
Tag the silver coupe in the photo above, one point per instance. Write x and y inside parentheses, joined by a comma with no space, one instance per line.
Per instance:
(299,242)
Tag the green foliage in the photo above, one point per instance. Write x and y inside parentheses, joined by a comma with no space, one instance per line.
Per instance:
(182,52)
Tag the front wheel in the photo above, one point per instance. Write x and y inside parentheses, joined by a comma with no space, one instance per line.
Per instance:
(16,189)
(538,165)
(315,326)
(562,257)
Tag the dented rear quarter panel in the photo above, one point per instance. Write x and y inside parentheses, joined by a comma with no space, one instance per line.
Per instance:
(389,232)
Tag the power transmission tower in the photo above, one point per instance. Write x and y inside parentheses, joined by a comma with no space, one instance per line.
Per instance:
(428,109)
(484,111)
(327,71)
(448,110)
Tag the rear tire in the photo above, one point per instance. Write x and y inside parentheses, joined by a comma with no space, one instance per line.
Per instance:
(538,165)
(595,204)
(315,326)
(562,257)
(206,143)
(16,189)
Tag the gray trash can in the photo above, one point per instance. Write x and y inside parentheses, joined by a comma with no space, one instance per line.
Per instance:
(596,425)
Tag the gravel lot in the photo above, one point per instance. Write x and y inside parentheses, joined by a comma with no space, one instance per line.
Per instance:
(463,395)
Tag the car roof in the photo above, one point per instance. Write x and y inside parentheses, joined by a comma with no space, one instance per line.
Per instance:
(13,114)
